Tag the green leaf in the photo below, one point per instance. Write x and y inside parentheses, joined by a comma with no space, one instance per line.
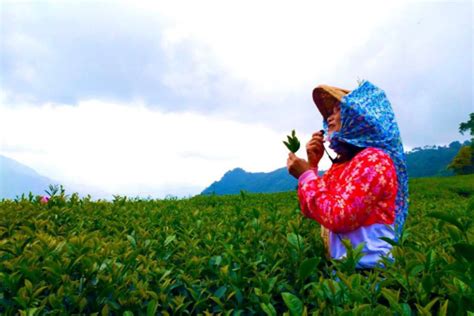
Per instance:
(293,303)
(268,309)
(443,311)
(132,241)
(295,240)
(30,312)
(308,266)
(392,296)
(426,310)
(454,233)
(39,290)
(105,310)
(414,267)
(128,313)
(406,310)
(465,250)
(293,144)
(462,287)
(151,308)
(216,260)
(427,282)
(447,218)
(82,303)
(28,285)
(170,239)
(389,240)
(220,292)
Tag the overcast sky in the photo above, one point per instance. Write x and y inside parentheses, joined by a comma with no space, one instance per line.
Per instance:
(163,97)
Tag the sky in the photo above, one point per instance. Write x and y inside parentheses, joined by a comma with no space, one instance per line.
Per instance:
(157,98)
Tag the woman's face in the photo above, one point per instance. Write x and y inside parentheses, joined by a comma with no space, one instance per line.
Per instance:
(334,120)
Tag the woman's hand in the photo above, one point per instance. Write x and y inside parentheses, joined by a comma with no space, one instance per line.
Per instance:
(296,166)
(315,149)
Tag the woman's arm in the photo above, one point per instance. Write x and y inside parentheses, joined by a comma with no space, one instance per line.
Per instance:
(366,194)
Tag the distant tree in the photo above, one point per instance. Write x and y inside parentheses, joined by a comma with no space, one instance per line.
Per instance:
(463,163)
(469,125)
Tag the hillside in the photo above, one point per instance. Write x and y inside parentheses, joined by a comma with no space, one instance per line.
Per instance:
(429,161)
(245,254)
(16,178)
(238,179)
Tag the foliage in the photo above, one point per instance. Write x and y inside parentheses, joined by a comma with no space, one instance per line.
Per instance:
(235,255)
(432,161)
(467,126)
(293,144)
(463,162)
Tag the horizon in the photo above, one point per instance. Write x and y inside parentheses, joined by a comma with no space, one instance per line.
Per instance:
(97,194)
(163,101)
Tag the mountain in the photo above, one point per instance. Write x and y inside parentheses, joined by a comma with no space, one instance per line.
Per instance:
(238,179)
(428,161)
(16,178)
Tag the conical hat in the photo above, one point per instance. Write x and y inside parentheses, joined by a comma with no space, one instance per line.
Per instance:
(327,97)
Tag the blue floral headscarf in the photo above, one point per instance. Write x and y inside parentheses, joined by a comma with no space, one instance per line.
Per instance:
(367,120)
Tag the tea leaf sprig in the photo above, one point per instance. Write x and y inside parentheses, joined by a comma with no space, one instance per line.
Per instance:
(293,144)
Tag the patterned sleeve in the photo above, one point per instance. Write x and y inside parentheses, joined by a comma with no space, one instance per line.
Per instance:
(365,195)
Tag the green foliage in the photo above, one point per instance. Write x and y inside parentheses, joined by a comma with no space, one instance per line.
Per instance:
(467,126)
(232,255)
(432,161)
(463,162)
(293,144)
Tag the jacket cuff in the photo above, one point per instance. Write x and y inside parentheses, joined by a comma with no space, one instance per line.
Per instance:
(308,175)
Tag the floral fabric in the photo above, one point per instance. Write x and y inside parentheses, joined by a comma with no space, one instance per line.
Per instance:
(367,120)
(360,192)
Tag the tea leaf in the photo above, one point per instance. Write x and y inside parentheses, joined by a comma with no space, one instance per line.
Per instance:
(293,144)
(170,239)
(444,309)
(465,250)
(308,266)
(293,303)
(151,308)
(268,309)
(447,218)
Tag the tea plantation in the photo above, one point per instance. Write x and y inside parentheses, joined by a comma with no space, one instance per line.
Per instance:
(231,255)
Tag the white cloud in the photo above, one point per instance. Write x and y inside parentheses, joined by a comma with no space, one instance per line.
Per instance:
(274,45)
(133,150)
(245,62)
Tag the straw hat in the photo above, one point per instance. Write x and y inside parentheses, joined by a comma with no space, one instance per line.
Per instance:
(327,97)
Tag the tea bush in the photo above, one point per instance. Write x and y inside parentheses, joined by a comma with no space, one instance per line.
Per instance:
(232,255)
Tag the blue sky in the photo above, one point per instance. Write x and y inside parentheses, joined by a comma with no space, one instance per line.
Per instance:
(156,98)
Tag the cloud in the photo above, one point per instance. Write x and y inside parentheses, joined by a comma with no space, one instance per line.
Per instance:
(101,70)
(252,62)
(422,58)
(134,150)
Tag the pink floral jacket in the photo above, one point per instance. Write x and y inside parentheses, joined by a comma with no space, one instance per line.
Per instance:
(350,195)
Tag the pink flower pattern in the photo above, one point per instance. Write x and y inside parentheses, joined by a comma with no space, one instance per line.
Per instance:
(352,194)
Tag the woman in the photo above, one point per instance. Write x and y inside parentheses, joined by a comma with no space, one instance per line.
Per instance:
(363,196)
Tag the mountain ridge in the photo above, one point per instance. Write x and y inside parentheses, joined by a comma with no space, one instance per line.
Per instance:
(427,161)
(17,178)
